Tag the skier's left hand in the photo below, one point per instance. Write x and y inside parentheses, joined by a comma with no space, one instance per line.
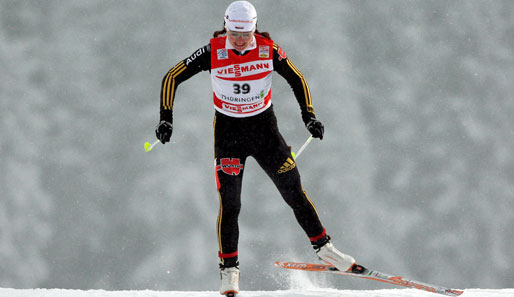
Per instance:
(316,128)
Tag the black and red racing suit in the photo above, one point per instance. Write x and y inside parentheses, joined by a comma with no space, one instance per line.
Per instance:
(236,138)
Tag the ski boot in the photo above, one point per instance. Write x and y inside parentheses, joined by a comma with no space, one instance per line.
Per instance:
(331,255)
(229,281)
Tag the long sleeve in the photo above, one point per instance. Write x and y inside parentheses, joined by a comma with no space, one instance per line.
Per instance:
(285,67)
(199,61)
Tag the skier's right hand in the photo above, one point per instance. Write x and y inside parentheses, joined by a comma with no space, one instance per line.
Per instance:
(163,131)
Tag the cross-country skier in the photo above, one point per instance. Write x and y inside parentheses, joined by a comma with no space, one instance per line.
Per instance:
(241,61)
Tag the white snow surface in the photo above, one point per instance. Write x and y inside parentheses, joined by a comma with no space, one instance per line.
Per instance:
(5,292)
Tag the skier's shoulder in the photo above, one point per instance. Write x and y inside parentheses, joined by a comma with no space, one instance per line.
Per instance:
(264,38)
(279,58)
(200,55)
(278,53)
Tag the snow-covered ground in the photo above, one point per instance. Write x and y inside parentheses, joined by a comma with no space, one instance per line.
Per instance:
(289,293)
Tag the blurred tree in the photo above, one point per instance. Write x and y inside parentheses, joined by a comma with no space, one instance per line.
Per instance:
(26,207)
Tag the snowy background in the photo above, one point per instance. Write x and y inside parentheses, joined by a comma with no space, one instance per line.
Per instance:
(282,293)
(415,174)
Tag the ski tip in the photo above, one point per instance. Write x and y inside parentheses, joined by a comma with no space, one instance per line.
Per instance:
(281,264)
(455,292)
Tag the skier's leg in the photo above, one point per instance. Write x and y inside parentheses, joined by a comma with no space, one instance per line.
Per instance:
(276,160)
(230,158)
(281,168)
(229,176)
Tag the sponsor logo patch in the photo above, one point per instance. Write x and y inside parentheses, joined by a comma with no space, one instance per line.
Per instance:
(288,165)
(230,166)
(222,54)
(195,55)
(264,51)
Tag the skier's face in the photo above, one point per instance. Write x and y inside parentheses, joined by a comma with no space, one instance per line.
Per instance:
(240,40)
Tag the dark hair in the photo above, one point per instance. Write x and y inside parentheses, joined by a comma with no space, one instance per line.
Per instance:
(224,31)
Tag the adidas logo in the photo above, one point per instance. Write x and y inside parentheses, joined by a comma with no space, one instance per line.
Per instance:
(288,165)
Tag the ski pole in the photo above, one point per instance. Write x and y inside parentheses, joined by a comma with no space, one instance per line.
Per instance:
(149,146)
(302,148)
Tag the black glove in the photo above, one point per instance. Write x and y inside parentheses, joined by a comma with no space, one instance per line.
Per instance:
(316,128)
(163,131)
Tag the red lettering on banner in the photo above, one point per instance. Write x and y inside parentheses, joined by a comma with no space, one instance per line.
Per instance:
(239,70)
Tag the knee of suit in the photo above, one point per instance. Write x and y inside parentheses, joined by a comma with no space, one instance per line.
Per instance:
(299,203)
(231,211)
(290,188)
(296,198)
(230,207)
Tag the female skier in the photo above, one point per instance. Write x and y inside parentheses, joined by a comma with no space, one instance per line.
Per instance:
(241,61)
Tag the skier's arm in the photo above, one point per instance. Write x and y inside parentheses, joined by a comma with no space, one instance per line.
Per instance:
(200,60)
(285,67)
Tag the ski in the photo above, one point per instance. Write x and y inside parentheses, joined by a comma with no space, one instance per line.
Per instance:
(361,272)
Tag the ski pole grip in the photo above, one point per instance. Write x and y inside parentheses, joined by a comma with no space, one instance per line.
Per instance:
(295,156)
(149,146)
